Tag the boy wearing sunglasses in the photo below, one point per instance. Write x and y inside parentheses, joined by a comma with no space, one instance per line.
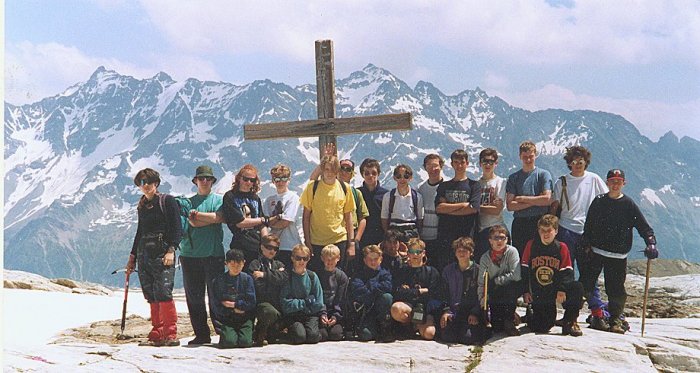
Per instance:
(269,274)
(402,207)
(302,300)
(202,251)
(284,204)
(572,195)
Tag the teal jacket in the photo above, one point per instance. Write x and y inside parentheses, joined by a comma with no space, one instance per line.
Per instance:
(302,294)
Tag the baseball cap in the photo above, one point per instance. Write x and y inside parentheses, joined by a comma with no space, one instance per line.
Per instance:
(616,173)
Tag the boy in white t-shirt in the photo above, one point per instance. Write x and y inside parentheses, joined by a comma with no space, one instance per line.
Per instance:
(405,214)
(581,189)
(493,196)
(286,204)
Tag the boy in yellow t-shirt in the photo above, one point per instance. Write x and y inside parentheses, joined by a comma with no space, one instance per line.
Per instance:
(328,208)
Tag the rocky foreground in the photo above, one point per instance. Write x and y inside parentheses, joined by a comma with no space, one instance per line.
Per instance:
(671,342)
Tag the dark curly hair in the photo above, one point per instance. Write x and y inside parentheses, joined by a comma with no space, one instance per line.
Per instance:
(575,152)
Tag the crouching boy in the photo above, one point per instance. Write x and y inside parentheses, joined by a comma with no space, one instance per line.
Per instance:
(371,299)
(234,302)
(417,293)
(302,300)
(549,278)
(269,274)
(462,319)
(335,284)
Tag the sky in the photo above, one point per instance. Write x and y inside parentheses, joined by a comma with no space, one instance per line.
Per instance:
(639,59)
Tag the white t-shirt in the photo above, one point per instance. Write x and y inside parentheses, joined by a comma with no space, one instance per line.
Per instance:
(581,191)
(430,218)
(403,207)
(289,204)
(490,190)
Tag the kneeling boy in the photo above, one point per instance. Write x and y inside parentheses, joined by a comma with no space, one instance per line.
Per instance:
(371,299)
(234,302)
(549,277)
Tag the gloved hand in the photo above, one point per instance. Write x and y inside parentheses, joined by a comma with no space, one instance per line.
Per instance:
(651,252)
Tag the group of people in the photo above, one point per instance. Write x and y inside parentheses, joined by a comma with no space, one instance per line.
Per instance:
(435,261)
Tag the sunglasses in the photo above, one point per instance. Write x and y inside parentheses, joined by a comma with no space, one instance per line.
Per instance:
(578,162)
(144,182)
(488,161)
(278,179)
(249,179)
(404,176)
(370,174)
(301,258)
(271,247)
(415,251)
(347,168)
(205,178)
(499,238)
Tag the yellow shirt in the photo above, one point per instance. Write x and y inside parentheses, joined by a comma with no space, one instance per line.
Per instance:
(364,212)
(327,209)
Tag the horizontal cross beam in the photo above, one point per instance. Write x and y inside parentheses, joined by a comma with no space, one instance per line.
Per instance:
(329,126)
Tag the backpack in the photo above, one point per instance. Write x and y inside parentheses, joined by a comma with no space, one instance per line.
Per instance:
(358,213)
(184,206)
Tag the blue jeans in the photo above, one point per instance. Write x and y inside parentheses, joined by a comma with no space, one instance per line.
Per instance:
(578,261)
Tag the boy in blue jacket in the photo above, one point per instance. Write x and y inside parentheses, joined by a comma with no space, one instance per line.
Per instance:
(371,299)
(302,300)
(234,303)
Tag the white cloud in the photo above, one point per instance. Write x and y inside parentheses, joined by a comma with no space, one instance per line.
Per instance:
(36,71)
(652,118)
(618,32)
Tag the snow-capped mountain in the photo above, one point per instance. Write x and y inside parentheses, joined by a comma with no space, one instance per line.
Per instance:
(69,159)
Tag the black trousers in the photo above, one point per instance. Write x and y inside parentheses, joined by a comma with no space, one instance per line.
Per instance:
(502,303)
(523,230)
(615,274)
(544,311)
(316,264)
(156,279)
(197,277)
(302,329)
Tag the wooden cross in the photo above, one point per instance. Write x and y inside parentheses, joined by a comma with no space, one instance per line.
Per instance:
(327,126)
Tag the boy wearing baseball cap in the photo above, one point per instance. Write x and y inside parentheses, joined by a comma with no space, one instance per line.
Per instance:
(607,240)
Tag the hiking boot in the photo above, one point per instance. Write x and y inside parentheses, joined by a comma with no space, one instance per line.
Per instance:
(510,329)
(616,326)
(571,328)
(599,323)
(260,339)
(150,343)
(197,341)
(170,342)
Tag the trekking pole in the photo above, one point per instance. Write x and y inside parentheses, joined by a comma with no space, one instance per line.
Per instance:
(646,294)
(485,305)
(126,295)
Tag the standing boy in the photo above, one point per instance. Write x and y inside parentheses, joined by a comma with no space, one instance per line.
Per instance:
(285,205)
(234,302)
(202,252)
(528,193)
(328,209)
(493,195)
(457,205)
(433,164)
(402,207)
(607,240)
(373,194)
(549,278)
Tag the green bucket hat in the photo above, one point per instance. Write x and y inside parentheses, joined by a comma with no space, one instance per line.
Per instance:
(205,171)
